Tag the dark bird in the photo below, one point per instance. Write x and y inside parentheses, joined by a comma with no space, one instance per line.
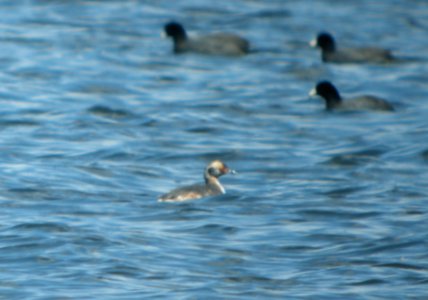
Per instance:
(330,53)
(214,44)
(334,101)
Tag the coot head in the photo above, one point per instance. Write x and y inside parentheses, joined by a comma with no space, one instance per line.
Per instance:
(328,91)
(325,41)
(175,30)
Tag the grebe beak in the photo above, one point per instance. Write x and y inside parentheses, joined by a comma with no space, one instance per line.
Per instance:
(229,171)
(226,170)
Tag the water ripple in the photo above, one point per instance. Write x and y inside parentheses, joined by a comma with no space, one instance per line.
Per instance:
(99,118)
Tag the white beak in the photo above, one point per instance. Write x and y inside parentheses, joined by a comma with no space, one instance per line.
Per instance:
(313,92)
(313,43)
(163,34)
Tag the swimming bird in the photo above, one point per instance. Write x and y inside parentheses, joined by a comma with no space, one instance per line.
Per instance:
(330,53)
(334,101)
(214,44)
(211,187)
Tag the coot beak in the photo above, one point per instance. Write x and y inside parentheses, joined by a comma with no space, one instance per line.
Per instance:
(313,92)
(313,43)
(163,34)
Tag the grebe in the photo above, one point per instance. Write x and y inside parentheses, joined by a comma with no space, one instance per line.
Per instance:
(211,187)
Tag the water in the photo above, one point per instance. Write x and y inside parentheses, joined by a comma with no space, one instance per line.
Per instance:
(98,118)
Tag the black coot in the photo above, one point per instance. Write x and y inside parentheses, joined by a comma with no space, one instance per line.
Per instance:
(214,44)
(330,53)
(335,102)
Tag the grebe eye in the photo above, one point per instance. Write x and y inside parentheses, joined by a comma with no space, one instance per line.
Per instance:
(213,171)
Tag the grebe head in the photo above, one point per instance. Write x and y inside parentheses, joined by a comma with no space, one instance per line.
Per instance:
(216,169)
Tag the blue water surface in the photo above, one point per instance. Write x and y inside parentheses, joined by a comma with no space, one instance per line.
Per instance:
(98,118)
